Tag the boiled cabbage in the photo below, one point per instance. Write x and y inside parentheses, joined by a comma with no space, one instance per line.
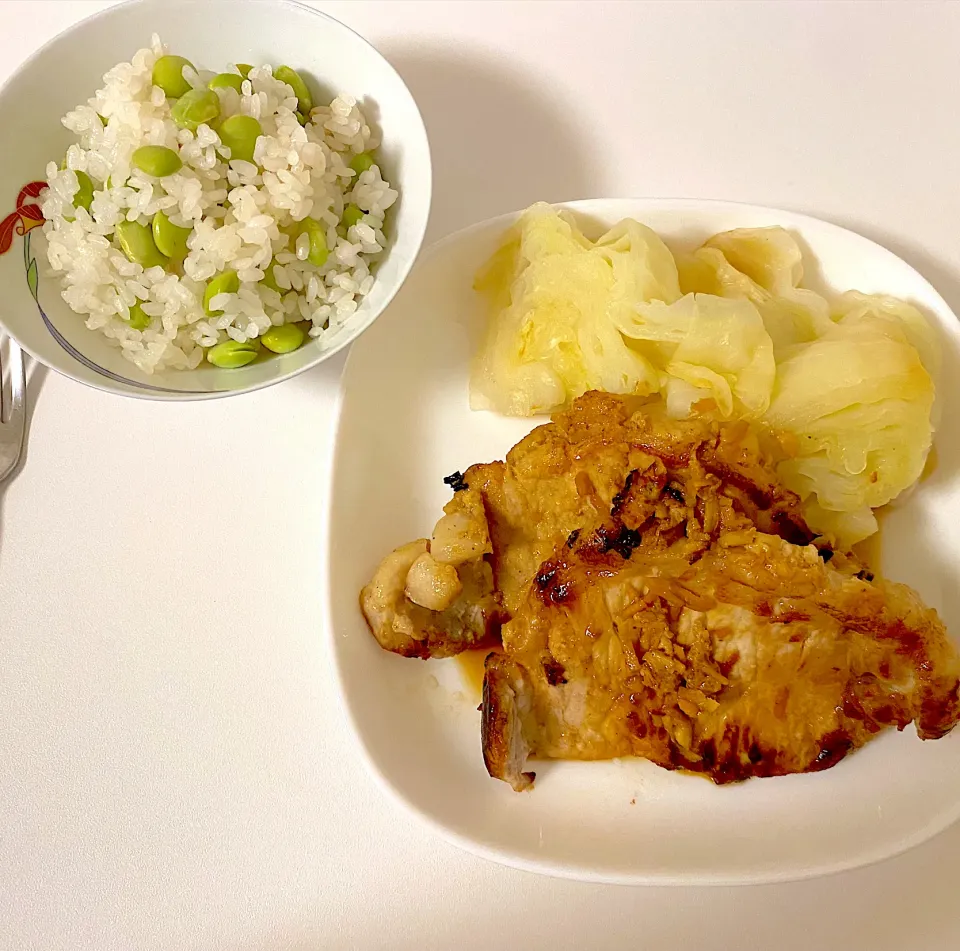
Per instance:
(770,257)
(859,401)
(848,384)
(553,294)
(790,314)
(571,315)
(718,347)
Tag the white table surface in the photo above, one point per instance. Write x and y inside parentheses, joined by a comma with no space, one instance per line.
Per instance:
(175,771)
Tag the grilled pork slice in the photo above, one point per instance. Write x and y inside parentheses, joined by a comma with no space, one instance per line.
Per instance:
(756,659)
(507,720)
(657,594)
(506,519)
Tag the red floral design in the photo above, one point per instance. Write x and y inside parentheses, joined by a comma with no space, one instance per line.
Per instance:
(26,217)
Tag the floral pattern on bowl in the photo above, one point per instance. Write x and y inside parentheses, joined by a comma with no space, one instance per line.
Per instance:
(22,221)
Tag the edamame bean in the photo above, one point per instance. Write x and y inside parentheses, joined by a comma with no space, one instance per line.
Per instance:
(351,215)
(170,239)
(243,69)
(232,354)
(156,160)
(362,161)
(301,118)
(239,134)
(295,81)
(195,107)
(226,81)
(317,255)
(168,75)
(136,242)
(138,320)
(226,282)
(84,195)
(283,339)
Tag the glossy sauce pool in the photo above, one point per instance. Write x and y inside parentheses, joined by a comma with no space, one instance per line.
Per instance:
(471,670)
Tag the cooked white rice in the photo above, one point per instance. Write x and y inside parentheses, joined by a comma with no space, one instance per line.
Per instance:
(236,210)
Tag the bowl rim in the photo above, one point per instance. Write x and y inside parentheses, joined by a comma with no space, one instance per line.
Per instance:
(183,396)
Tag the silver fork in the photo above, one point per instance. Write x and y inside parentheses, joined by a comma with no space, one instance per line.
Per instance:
(12,411)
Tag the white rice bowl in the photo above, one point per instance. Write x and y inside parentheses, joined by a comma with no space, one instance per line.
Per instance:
(235,208)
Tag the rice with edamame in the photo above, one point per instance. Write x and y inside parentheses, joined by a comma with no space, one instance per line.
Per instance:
(291,219)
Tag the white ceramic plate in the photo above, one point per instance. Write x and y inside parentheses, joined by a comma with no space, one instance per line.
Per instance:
(405,424)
